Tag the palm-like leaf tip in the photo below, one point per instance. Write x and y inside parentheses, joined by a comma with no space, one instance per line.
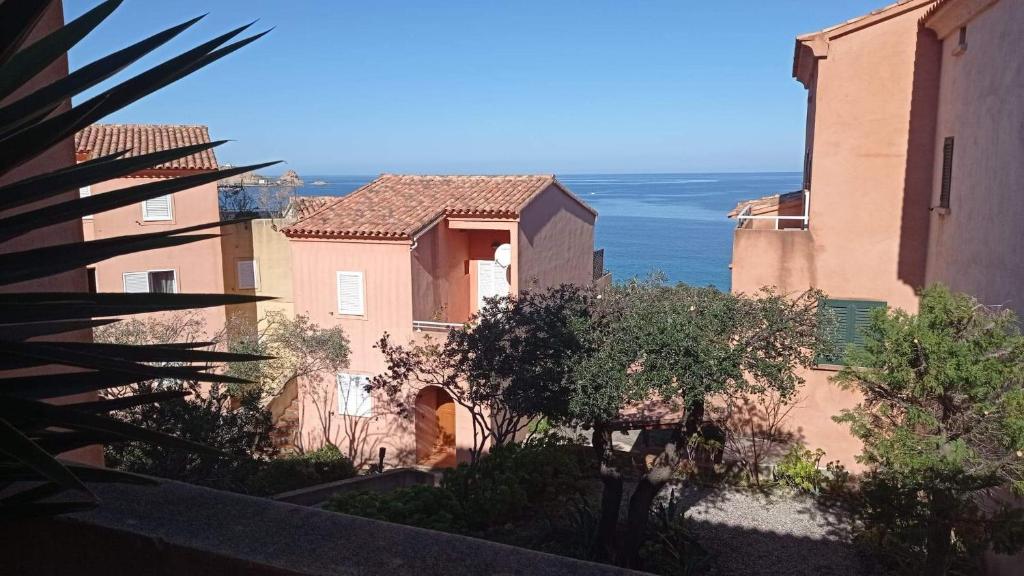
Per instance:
(32,430)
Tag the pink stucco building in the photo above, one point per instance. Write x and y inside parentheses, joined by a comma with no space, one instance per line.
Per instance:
(913,175)
(194,267)
(413,256)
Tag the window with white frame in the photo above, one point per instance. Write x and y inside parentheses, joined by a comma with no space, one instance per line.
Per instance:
(248,274)
(353,397)
(157,209)
(85,192)
(351,294)
(151,281)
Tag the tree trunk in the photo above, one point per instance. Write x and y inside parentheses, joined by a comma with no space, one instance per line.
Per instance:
(694,418)
(643,497)
(611,495)
(940,532)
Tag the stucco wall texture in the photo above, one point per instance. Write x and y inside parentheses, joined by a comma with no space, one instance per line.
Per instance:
(884,93)
(431,279)
(197,266)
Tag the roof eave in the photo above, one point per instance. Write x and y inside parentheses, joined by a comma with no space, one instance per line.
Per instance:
(554,182)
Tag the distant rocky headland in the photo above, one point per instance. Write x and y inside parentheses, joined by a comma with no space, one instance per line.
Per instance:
(289,178)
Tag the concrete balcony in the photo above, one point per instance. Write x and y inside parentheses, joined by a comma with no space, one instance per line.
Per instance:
(789,211)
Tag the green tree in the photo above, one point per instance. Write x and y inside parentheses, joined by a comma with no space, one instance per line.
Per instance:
(237,425)
(942,422)
(297,348)
(675,347)
(507,367)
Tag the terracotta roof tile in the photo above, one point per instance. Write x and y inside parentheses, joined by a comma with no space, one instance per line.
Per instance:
(103,139)
(766,204)
(399,206)
(305,206)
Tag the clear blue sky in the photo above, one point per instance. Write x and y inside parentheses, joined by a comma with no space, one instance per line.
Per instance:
(456,86)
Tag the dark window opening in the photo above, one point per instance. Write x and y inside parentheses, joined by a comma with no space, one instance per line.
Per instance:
(162,282)
(947,173)
(91,274)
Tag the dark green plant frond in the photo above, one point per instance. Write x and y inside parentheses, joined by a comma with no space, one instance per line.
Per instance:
(17,19)
(76,255)
(30,61)
(68,383)
(22,354)
(14,226)
(112,404)
(102,169)
(20,447)
(33,431)
(22,146)
(50,260)
(52,306)
(36,329)
(37,104)
(156,352)
(38,416)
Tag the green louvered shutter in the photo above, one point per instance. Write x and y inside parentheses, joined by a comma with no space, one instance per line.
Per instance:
(851,318)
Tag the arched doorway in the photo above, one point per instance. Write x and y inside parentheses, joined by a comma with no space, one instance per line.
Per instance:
(435,428)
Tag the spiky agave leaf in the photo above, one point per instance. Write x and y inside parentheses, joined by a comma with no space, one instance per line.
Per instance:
(33,430)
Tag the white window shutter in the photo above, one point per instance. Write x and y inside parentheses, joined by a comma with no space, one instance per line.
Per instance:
(85,192)
(157,208)
(492,281)
(353,398)
(248,275)
(351,294)
(136,282)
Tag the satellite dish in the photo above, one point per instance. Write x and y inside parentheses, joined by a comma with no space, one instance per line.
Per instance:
(503,255)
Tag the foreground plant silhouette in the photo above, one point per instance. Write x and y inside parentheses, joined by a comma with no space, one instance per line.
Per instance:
(942,424)
(34,431)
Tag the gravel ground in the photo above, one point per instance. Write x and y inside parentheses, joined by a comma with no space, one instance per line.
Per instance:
(751,534)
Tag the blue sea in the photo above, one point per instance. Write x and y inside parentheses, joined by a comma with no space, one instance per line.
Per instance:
(670,223)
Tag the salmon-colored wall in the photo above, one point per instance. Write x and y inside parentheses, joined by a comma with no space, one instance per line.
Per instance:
(197,265)
(977,246)
(868,202)
(556,242)
(59,156)
(431,278)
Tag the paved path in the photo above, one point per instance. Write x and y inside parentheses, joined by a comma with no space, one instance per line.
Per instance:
(750,534)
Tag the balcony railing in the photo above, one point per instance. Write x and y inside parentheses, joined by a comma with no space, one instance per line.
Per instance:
(745,219)
(430,326)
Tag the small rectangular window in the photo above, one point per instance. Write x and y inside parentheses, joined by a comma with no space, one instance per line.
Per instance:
(947,173)
(353,397)
(961,44)
(93,285)
(152,281)
(157,209)
(850,318)
(351,294)
(85,192)
(248,275)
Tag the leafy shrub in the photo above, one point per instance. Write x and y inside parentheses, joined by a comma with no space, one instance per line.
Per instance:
(422,506)
(243,433)
(327,464)
(671,548)
(514,482)
(799,468)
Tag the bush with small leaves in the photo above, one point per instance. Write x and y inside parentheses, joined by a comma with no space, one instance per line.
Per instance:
(327,464)
(799,468)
